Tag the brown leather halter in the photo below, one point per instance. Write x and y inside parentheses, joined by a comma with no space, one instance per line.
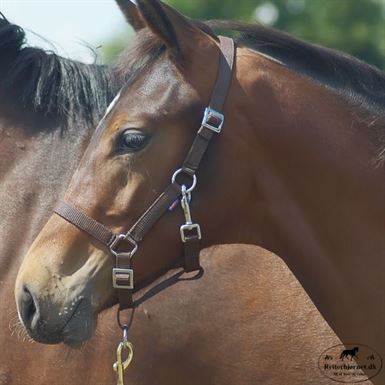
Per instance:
(122,274)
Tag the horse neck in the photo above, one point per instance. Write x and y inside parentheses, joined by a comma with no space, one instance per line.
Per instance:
(35,168)
(313,197)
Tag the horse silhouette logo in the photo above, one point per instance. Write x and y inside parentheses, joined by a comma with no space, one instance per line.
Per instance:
(350,363)
(352,353)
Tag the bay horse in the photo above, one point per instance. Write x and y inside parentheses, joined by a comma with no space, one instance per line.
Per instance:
(46,121)
(173,327)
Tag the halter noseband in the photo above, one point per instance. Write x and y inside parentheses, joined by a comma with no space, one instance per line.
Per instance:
(122,274)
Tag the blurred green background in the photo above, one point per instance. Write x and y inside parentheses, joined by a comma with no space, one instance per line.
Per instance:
(353,26)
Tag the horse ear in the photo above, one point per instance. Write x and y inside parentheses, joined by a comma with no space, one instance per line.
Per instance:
(174,29)
(131,13)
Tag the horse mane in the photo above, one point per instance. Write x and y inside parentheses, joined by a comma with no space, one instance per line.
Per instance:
(360,83)
(45,83)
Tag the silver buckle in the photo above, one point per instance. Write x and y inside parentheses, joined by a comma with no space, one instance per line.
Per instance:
(126,274)
(190,227)
(210,113)
(120,238)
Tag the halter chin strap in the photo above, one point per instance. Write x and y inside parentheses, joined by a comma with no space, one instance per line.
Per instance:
(122,274)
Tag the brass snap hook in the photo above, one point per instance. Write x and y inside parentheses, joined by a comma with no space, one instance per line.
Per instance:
(121,365)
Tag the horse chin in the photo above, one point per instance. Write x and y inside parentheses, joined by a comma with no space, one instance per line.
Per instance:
(44,339)
(80,327)
(74,344)
(75,335)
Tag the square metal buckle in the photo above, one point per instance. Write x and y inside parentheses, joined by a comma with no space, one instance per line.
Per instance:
(188,227)
(123,238)
(212,114)
(123,274)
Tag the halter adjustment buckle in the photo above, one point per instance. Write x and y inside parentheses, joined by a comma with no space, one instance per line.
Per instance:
(122,278)
(213,120)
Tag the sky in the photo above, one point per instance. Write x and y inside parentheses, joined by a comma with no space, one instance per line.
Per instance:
(69,25)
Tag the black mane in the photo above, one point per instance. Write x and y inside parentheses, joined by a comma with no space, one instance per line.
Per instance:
(45,83)
(359,82)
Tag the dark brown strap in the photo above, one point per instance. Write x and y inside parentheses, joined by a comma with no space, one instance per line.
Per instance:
(175,278)
(191,254)
(154,212)
(84,222)
(124,295)
(225,71)
(205,134)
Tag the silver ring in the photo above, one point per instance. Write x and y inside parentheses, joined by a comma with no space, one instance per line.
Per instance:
(194,179)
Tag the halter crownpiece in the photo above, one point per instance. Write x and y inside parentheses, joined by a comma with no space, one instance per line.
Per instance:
(122,274)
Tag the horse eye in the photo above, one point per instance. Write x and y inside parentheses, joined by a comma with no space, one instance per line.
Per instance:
(132,141)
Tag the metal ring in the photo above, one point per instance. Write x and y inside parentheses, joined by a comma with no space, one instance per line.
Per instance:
(194,179)
(128,239)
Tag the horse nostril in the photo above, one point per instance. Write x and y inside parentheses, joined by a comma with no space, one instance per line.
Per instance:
(27,308)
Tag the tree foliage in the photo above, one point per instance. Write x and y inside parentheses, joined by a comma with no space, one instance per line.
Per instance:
(353,26)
